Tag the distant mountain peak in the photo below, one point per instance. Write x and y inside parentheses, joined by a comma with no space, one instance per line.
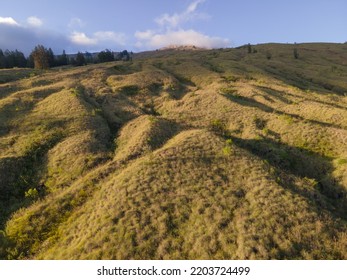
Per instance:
(181,47)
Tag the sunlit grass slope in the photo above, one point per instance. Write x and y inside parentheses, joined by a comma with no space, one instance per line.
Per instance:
(205,154)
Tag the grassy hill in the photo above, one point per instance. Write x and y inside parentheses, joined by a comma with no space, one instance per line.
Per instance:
(179,154)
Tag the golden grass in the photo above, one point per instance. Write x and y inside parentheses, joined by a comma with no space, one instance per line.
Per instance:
(214,154)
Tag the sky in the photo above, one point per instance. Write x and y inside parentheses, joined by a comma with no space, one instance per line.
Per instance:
(139,25)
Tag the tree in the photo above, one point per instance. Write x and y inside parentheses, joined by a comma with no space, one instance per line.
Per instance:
(80,60)
(41,58)
(10,59)
(2,59)
(51,59)
(249,48)
(88,57)
(62,59)
(124,55)
(295,52)
(105,56)
(73,61)
(30,62)
(20,60)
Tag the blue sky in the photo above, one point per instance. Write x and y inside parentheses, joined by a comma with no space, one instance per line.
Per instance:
(76,25)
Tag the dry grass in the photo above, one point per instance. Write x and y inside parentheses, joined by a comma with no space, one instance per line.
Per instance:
(214,154)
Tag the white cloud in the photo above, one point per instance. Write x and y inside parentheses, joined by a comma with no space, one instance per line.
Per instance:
(173,34)
(8,21)
(180,37)
(34,21)
(81,38)
(110,36)
(76,22)
(192,7)
(98,38)
(175,20)
(144,35)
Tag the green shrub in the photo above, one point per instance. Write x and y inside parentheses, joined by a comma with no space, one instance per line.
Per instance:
(341,161)
(219,127)
(78,90)
(32,193)
(227,150)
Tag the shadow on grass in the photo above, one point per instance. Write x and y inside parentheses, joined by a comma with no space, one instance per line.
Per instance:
(279,95)
(250,102)
(287,160)
(185,83)
(6,90)
(299,80)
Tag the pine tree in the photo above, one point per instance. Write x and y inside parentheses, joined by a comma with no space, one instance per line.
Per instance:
(10,60)
(30,62)
(20,60)
(80,59)
(51,59)
(2,60)
(64,59)
(106,56)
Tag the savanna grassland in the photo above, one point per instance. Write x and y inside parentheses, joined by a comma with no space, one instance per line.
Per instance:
(178,154)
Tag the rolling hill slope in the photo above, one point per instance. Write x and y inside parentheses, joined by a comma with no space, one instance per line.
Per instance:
(179,154)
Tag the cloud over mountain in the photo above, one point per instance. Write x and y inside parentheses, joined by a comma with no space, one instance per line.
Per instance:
(171,32)
(179,37)
(177,19)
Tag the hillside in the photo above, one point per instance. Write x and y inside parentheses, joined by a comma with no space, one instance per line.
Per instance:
(179,154)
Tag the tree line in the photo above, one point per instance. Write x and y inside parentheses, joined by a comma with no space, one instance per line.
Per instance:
(43,58)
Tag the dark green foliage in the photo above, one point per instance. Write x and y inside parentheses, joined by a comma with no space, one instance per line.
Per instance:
(89,58)
(105,56)
(30,62)
(2,59)
(219,127)
(62,59)
(249,48)
(11,59)
(124,55)
(51,59)
(80,59)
